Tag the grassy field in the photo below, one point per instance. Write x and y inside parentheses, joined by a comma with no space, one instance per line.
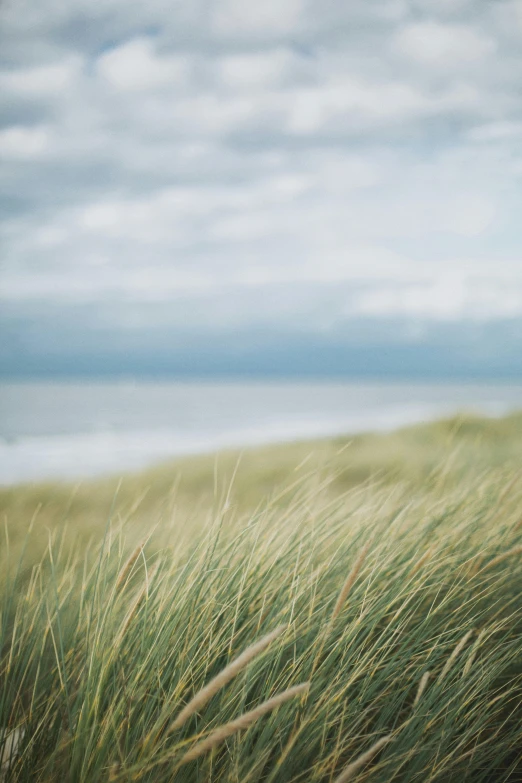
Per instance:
(341,610)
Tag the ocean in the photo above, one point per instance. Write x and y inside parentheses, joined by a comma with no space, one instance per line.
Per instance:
(75,430)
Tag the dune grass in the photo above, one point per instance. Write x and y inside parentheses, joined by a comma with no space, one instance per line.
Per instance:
(346,610)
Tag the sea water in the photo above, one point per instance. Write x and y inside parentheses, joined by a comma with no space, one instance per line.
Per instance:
(73,430)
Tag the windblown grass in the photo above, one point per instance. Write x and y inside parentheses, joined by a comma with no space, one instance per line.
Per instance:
(369,632)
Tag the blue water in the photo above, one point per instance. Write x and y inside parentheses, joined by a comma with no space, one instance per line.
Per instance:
(70,430)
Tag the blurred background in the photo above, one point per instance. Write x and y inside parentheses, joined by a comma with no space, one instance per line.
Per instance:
(228,222)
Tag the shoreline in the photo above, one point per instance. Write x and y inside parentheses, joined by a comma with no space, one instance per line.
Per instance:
(139,464)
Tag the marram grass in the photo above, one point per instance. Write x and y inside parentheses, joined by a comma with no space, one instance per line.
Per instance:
(373,634)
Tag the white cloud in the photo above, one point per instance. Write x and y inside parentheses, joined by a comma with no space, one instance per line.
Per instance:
(258,70)
(174,214)
(471,214)
(507,18)
(450,298)
(443,7)
(515,7)
(45,80)
(270,17)
(19,142)
(358,144)
(442,45)
(497,131)
(135,66)
(350,103)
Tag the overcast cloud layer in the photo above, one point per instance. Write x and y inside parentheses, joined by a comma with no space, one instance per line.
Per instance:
(296,172)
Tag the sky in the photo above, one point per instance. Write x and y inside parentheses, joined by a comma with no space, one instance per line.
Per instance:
(289,187)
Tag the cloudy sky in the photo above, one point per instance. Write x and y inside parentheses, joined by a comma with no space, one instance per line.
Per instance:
(286,186)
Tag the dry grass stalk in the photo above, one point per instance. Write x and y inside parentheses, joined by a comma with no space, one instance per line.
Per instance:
(135,604)
(350,579)
(224,676)
(127,566)
(422,687)
(243,722)
(422,559)
(10,740)
(507,489)
(454,655)
(471,659)
(352,769)
(515,550)
(475,563)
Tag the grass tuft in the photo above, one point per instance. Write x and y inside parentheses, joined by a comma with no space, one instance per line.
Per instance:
(243,722)
(220,680)
(135,640)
